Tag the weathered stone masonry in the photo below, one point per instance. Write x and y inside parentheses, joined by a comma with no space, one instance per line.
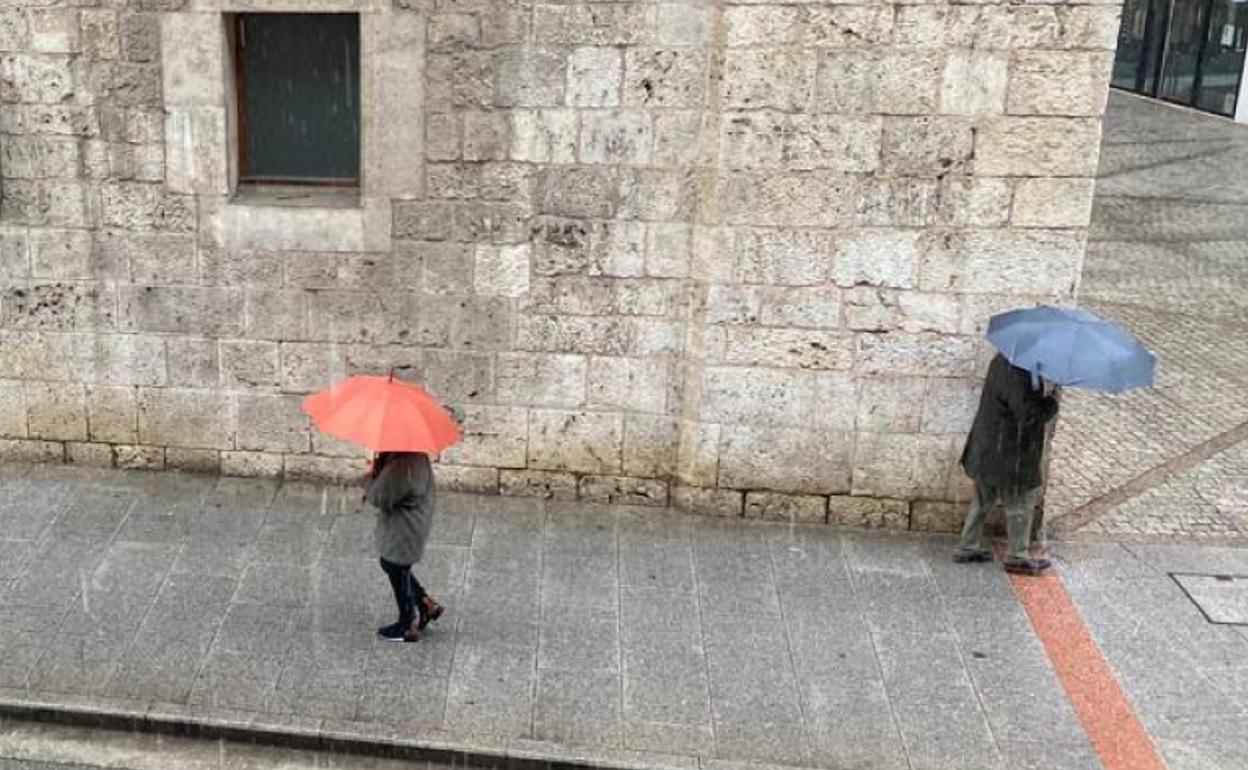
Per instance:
(738,257)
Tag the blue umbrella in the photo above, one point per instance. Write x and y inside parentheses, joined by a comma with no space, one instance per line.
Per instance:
(1072,348)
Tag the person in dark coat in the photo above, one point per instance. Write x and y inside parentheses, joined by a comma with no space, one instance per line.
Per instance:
(1003,456)
(400,486)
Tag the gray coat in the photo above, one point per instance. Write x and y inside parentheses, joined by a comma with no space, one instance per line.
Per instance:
(1006,445)
(404,496)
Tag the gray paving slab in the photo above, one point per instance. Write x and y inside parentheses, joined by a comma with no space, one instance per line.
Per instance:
(413,702)
(95,518)
(582,708)
(1222,598)
(579,640)
(491,694)
(237,680)
(588,584)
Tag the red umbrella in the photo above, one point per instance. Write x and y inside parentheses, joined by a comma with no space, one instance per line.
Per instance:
(383,414)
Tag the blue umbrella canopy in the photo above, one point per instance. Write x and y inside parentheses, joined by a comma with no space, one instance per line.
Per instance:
(1073,348)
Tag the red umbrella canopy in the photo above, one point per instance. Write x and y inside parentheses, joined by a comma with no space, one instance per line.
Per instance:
(383,414)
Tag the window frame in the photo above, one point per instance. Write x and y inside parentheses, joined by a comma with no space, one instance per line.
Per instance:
(236,37)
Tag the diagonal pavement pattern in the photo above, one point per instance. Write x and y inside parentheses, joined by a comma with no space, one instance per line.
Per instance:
(1168,259)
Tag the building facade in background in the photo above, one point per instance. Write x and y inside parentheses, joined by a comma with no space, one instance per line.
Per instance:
(735,257)
(1189,52)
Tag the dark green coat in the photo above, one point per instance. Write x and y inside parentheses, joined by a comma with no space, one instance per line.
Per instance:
(1006,444)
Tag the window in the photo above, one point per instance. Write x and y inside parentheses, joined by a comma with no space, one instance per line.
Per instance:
(298,98)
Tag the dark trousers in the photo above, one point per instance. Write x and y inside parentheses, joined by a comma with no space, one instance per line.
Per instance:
(408,591)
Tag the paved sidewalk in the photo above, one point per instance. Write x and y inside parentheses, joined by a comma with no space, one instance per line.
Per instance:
(651,636)
(1168,259)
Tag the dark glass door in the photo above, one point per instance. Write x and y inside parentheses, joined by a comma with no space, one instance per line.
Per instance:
(1223,62)
(1185,40)
(1140,40)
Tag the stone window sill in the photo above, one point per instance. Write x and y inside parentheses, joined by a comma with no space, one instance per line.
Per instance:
(296,196)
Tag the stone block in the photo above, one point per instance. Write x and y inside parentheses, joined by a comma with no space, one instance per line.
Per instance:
(934,516)
(1038,147)
(36,79)
(762,139)
(423,220)
(21,451)
(157,258)
(898,202)
(193,419)
(622,490)
(905,353)
(783,257)
(594,77)
(487,136)
(680,24)
(676,138)
(547,485)
(975,201)
(660,195)
(248,364)
(12,409)
(1053,203)
(467,323)
(1027,262)
(543,136)
(616,137)
(650,445)
(735,394)
(779,199)
(39,157)
(183,309)
(363,228)
(112,414)
(879,81)
(193,362)
(974,82)
(597,24)
(888,258)
(459,378)
(444,136)
(473,481)
(798,509)
(320,469)
(785,459)
(868,512)
(192,58)
(502,271)
(14,253)
(789,348)
(629,384)
(577,334)
(195,158)
(60,254)
(542,380)
(902,465)
(47,203)
(438,268)
(495,436)
(705,501)
(734,304)
(139,458)
(814,307)
(763,25)
(846,26)
(14,30)
(56,411)
(665,77)
(460,79)
(89,455)
(140,37)
(62,307)
(1094,26)
(271,423)
(491,222)
(275,314)
(528,77)
(251,464)
(780,79)
(949,406)
(393,77)
(205,461)
(890,404)
(927,146)
(136,206)
(1059,83)
(120,359)
(581,442)
(101,34)
(669,250)
(448,31)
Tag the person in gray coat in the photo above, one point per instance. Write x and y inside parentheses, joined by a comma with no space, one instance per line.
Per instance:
(1003,456)
(400,486)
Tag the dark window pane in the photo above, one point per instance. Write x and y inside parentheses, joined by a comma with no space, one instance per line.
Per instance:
(1223,64)
(1140,42)
(300,84)
(1183,45)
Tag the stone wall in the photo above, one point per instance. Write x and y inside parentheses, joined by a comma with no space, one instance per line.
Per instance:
(737,257)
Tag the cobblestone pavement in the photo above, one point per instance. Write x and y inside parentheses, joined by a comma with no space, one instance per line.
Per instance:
(1168,258)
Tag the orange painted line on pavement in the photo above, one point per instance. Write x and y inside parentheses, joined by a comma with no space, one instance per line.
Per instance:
(1110,722)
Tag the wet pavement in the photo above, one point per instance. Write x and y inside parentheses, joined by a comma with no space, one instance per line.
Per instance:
(1168,259)
(642,635)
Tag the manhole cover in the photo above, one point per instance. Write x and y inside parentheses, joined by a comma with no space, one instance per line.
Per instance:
(1222,598)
